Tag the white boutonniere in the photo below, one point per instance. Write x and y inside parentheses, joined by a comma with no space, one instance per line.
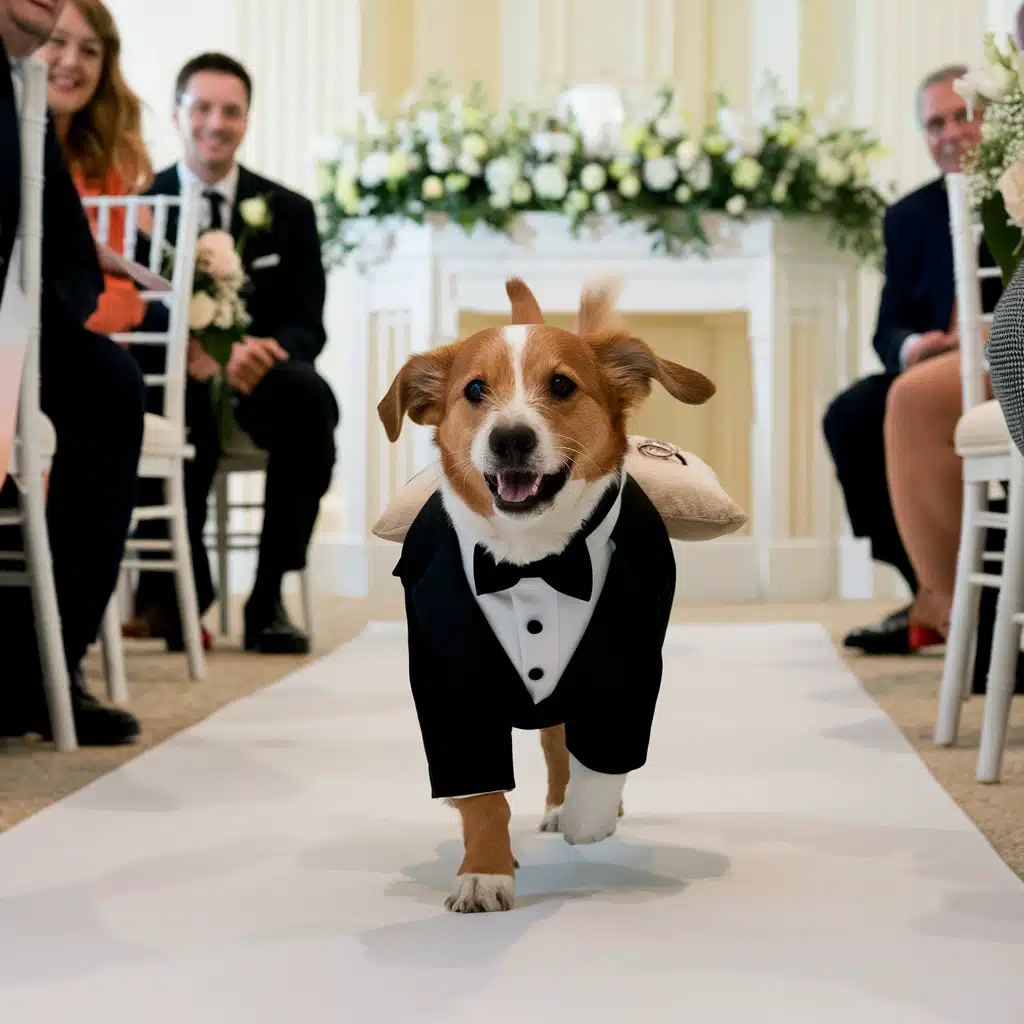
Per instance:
(255,212)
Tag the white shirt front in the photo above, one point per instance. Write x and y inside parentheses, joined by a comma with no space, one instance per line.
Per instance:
(227,187)
(538,626)
(15,65)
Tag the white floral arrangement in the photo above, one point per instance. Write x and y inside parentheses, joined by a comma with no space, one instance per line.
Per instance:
(451,155)
(218,317)
(995,167)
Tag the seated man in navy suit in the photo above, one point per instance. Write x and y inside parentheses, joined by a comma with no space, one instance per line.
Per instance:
(281,401)
(915,323)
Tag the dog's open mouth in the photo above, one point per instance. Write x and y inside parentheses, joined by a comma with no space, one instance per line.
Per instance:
(519,491)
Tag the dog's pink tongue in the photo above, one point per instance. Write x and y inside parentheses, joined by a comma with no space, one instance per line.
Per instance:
(517,486)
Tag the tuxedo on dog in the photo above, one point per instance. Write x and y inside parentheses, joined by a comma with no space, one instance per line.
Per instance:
(539,578)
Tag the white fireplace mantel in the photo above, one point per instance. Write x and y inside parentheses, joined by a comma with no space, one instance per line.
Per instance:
(779,272)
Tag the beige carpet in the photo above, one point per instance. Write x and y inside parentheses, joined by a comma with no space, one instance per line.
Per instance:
(32,775)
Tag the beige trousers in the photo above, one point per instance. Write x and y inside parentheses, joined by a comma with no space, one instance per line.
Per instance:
(925,479)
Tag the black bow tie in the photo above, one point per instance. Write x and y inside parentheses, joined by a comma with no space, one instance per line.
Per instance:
(568,572)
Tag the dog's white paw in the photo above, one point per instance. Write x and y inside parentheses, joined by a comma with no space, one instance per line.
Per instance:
(579,832)
(482,894)
(552,820)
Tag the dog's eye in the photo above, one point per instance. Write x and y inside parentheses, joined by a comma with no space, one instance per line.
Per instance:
(475,391)
(562,386)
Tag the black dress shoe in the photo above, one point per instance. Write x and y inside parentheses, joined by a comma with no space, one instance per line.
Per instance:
(95,725)
(890,636)
(274,635)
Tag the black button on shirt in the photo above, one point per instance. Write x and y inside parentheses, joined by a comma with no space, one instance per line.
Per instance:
(533,626)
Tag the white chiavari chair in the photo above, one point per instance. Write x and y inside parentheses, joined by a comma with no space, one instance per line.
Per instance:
(989,457)
(35,440)
(165,447)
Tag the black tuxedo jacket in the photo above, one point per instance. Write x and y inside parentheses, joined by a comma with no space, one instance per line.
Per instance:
(919,284)
(469,696)
(287,300)
(72,280)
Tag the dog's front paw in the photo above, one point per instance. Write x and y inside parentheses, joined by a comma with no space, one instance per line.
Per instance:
(482,894)
(579,833)
(552,820)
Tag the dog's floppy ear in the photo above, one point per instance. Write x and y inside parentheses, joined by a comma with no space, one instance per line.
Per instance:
(418,391)
(630,365)
(525,308)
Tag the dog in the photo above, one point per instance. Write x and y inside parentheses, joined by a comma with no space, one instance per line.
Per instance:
(539,577)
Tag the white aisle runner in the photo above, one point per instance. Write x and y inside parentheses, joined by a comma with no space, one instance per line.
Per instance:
(785,858)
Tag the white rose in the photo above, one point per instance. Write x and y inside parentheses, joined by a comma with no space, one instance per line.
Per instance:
(544,144)
(1011,186)
(374,169)
(521,193)
(562,143)
(577,201)
(735,206)
(439,157)
(780,190)
(660,174)
(747,174)
(630,186)
(469,165)
(684,194)
(669,126)
(255,212)
(700,177)
(201,311)
(216,253)
(593,177)
(831,170)
(550,182)
(429,123)
(433,187)
(501,174)
(603,203)
(687,154)
(225,316)
(475,145)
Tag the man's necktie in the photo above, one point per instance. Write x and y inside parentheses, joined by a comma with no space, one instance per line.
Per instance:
(216,201)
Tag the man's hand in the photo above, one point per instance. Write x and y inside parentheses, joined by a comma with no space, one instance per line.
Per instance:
(251,359)
(201,365)
(931,344)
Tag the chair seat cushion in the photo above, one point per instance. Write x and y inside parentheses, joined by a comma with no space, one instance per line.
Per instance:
(982,431)
(161,437)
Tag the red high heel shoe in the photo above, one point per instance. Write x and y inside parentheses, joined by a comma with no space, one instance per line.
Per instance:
(919,637)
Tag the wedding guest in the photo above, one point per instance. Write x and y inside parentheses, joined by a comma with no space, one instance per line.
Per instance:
(92,391)
(98,119)
(891,434)
(281,401)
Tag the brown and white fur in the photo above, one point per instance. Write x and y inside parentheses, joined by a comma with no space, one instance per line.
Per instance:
(531,424)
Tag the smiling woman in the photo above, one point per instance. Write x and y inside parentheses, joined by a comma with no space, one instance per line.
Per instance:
(99,122)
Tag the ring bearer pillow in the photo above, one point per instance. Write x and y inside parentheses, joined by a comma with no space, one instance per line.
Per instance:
(683,488)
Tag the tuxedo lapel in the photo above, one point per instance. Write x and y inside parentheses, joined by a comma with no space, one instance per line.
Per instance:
(246,190)
(451,616)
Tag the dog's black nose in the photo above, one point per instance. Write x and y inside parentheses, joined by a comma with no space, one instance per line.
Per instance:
(513,442)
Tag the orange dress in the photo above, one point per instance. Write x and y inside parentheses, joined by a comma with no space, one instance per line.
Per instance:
(120,308)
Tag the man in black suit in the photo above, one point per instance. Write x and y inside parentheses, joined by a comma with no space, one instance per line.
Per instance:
(915,322)
(282,403)
(93,393)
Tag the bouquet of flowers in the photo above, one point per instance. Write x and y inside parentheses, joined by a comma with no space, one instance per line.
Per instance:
(453,156)
(995,167)
(217,313)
